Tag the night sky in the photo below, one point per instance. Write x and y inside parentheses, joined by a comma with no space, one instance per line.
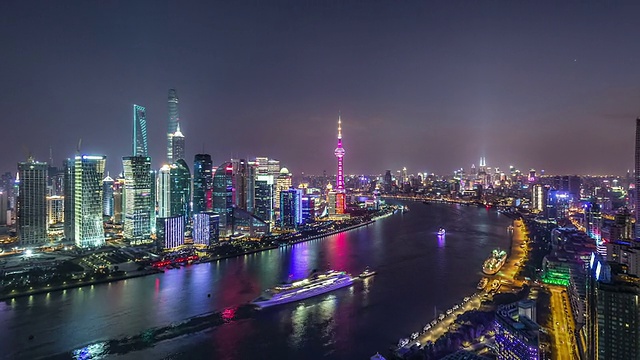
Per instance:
(427,85)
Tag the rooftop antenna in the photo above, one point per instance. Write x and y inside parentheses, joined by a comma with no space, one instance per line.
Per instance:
(79,144)
(50,155)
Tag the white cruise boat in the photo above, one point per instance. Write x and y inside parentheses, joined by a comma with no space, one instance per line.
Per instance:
(316,284)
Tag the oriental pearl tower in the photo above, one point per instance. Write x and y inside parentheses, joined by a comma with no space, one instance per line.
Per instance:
(340,192)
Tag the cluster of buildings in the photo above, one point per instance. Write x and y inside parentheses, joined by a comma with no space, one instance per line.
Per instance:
(194,202)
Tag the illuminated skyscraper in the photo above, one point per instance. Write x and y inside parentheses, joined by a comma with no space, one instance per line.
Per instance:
(163,191)
(340,191)
(32,203)
(206,228)
(139,202)
(244,179)
(637,176)
(283,183)
(290,208)
(177,145)
(180,189)
(173,123)
(264,197)
(202,183)
(55,209)
(140,131)
(107,196)
(88,174)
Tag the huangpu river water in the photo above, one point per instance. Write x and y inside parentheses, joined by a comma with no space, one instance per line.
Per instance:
(417,271)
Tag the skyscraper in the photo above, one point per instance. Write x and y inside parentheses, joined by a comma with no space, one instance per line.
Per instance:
(107,196)
(264,197)
(244,180)
(180,189)
(139,202)
(173,123)
(290,208)
(637,176)
(224,196)
(205,228)
(32,203)
(140,131)
(163,191)
(340,191)
(202,183)
(69,199)
(177,145)
(88,173)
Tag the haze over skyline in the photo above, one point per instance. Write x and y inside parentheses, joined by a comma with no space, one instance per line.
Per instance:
(429,86)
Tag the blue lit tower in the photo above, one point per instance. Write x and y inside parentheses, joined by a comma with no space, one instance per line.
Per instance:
(140,131)
(173,123)
(290,208)
(202,183)
(107,196)
(340,191)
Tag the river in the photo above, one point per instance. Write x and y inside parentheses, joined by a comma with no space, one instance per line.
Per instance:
(417,271)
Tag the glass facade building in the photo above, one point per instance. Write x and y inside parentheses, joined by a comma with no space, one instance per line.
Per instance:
(224,197)
(32,203)
(170,232)
(173,122)
(88,175)
(139,202)
(140,147)
(290,209)
(107,196)
(206,228)
(202,183)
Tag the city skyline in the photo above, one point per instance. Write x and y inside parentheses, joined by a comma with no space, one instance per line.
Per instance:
(466,86)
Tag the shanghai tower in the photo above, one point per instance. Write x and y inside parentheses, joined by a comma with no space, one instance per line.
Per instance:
(174,117)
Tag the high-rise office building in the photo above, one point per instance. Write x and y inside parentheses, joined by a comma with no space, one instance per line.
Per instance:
(264,197)
(244,179)
(339,152)
(177,145)
(206,228)
(613,311)
(224,197)
(163,191)
(4,207)
(88,175)
(173,190)
(308,208)
(69,199)
(139,203)
(55,209)
(107,196)
(32,203)
(173,123)
(118,200)
(140,147)
(180,189)
(283,183)
(202,183)
(290,208)
(170,232)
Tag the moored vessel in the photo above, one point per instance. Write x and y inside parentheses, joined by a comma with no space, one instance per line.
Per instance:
(483,283)
(315,284)
(441,231)
(494,262)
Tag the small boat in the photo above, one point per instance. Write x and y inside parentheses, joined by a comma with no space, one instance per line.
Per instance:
(366,273)
(441,232)
(377,356)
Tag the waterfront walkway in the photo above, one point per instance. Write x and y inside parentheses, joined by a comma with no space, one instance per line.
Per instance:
(506,275)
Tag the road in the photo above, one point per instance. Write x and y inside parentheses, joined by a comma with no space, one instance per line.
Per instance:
(563,325)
